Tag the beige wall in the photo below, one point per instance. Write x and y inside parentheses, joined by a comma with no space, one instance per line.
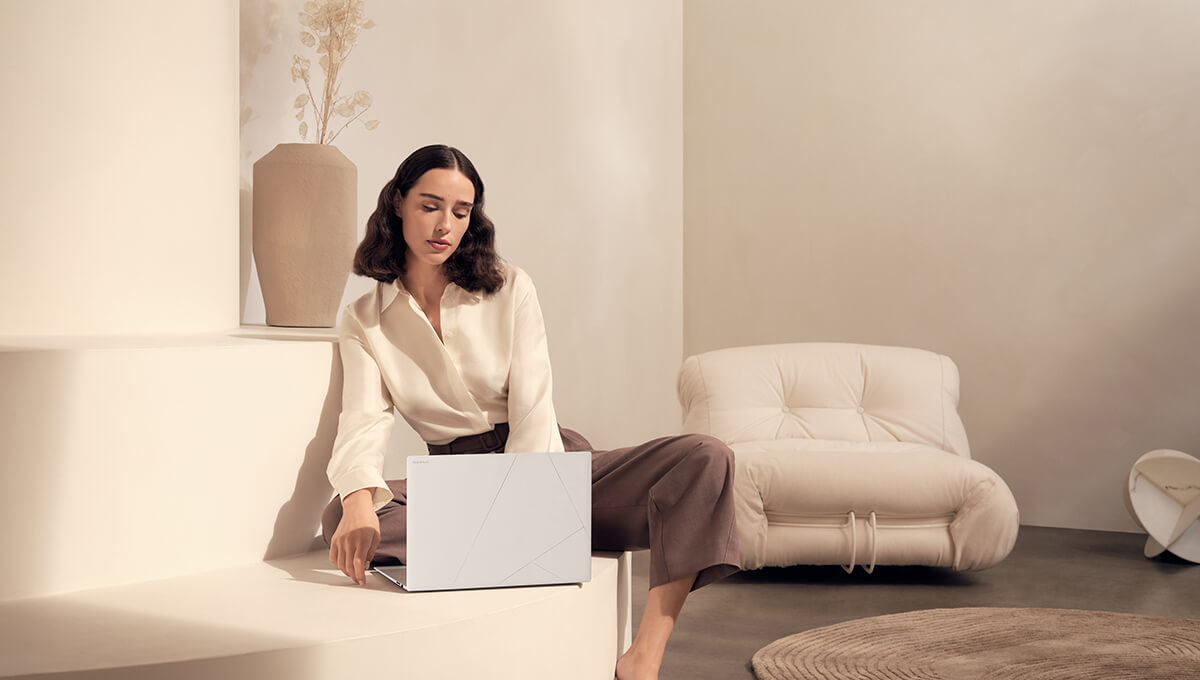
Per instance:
(1012,184)
(1007,183)
(117,201)
(571,113)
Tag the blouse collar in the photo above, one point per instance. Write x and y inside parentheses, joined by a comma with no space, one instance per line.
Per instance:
(388,292)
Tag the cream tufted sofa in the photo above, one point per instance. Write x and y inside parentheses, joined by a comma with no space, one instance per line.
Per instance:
(849,454)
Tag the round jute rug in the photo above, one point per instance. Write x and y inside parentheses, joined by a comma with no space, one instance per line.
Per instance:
(992,643)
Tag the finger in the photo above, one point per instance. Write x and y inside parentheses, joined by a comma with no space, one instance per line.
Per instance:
(374,546)
(344,561)
(361,563)
(333,553)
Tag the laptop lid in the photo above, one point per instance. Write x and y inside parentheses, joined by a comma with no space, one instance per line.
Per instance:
(498,520)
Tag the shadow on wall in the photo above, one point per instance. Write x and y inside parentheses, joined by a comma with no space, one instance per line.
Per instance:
(34,427)
(245,242)
(1132,386)
(260,26)
(298,523)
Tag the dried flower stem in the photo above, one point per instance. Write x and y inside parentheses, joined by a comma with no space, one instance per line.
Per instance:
(332,29)
(346,125)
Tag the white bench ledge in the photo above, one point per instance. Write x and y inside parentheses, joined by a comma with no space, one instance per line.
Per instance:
(265,332)
(298,618)
(242,335)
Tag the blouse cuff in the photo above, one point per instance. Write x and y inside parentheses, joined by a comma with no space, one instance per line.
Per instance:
(363,478)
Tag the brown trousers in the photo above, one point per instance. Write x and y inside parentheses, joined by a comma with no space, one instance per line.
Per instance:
(672,496)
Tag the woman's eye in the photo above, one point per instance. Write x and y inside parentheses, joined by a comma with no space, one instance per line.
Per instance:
(462,216)
(429,208)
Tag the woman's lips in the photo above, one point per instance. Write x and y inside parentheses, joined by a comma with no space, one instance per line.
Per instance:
(438,244)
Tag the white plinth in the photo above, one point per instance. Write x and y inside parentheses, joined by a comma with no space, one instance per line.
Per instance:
(300,619)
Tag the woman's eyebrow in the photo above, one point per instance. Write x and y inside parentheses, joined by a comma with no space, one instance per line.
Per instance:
(439,198)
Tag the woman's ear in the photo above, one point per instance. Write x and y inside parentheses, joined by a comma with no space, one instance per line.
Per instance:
(397,202)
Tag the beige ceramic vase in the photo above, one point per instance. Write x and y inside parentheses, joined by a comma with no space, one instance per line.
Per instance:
(304,232)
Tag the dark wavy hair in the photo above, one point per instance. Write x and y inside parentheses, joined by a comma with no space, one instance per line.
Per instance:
(474,266)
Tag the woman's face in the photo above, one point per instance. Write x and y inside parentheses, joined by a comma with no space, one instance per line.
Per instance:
(435,215)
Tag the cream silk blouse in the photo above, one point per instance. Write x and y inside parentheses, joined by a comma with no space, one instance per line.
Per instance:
(491,366)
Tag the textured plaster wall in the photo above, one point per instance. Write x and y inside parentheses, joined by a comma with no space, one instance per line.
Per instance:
(118,186)
(1012,184)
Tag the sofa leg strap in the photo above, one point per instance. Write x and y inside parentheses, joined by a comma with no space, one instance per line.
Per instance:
(872,522)
(874,543)
(853,542)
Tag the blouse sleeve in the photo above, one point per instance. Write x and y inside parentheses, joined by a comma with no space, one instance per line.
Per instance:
(533,426)
(365,424)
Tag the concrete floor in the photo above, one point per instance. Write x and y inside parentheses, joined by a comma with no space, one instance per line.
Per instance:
(723,624)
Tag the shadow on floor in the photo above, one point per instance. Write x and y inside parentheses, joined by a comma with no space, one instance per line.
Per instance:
(832,575)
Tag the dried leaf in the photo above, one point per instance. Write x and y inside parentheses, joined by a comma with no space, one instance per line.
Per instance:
(299,68)
(371,124)
(331,30)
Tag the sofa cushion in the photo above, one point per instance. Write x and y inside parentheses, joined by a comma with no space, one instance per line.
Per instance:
(914,490)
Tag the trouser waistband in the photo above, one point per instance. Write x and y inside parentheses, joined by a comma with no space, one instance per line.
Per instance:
(492,441)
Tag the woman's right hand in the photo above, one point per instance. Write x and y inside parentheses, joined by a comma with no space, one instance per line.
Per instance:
(357,535)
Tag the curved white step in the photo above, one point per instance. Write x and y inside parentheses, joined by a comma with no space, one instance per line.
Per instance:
(301,619)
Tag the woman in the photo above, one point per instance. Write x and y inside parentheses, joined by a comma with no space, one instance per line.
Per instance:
(452,339)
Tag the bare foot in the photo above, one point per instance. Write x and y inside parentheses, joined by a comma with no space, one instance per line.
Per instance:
(631,666)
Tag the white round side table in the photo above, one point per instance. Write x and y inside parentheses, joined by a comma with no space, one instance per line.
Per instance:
(1163,495)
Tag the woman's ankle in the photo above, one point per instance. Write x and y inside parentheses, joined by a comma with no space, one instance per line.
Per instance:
(635,665)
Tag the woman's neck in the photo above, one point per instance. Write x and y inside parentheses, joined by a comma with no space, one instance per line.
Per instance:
(425,283)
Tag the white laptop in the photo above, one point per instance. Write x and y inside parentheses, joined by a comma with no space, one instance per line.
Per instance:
(497,520)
